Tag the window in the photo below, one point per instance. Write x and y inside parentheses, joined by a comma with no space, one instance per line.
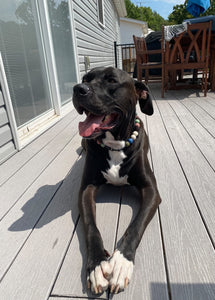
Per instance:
(100,10)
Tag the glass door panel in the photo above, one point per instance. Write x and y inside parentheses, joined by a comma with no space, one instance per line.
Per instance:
(23,57)
(63,47)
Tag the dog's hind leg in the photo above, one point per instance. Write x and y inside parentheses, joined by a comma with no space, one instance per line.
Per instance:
(97,265)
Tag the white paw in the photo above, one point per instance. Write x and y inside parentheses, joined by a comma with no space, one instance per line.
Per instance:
(96,280)
(122,270)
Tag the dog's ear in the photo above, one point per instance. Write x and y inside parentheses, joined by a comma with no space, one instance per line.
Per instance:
(144,97)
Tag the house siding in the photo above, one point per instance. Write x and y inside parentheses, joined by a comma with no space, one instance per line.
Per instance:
(7,146)
(129,29)
(92,39)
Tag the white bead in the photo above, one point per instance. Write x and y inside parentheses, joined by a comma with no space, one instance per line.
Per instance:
(133,137)
(135,133)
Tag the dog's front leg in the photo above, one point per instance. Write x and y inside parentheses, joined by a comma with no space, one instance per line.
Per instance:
(122,261)
(97,265)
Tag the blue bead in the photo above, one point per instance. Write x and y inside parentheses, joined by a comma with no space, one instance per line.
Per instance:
(130,140)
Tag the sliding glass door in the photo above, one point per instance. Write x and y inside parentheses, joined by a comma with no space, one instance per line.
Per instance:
(60,23)
(24,61)
(28,30)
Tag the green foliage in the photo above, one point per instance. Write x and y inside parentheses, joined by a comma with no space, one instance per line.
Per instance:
(180,13)
(211,9)
(154,20)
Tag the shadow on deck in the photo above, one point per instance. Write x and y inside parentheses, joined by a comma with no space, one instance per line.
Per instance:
(42,247)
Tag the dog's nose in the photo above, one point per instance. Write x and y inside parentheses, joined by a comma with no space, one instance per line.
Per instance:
(81,89)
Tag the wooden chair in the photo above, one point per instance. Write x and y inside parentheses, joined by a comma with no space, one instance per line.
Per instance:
(178,53)
(142,58)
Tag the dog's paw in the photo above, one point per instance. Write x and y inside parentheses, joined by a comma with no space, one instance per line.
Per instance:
(97,279)
(121,271)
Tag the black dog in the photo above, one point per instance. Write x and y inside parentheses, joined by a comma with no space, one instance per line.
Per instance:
(117,147)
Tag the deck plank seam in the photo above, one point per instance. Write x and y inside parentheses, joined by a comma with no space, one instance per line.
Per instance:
(164,256)
(191,137)
(62,261)
(209,95)
(118,218)
(30,233)
(196,118)
(189,186)
(36,178)
(116,232)
(197,104)
(211,98)
(74,297)
(40,149)
(160,227)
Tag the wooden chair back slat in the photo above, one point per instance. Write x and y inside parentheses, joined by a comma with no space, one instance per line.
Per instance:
(178,52)
(140,46)
(142,58)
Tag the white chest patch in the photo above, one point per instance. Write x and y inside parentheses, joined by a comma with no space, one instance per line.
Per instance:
(115,161)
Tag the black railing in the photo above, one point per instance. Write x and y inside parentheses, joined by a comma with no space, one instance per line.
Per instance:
(126,54)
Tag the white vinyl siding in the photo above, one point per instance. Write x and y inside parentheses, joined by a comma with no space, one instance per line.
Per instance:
(7,146)
(95,41)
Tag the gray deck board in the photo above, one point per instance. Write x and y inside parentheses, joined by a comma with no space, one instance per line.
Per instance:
(48,242)
(149,261)
(68,297)
(68,284)
(187,258)
(107,208)
(42,247)
(17,226)
(30,171)
(200,175)
(203,117)
(207,106)
(204,141)
(11,166)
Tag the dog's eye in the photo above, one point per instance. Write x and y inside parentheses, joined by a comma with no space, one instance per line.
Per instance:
(111,80)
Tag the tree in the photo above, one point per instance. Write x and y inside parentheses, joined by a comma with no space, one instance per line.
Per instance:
(154,20)
(180,13)
(211,9)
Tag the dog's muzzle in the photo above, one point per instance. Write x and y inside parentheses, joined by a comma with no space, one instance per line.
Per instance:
(81,90)
(97,121)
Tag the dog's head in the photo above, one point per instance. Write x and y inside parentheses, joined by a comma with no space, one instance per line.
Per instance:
(108,97)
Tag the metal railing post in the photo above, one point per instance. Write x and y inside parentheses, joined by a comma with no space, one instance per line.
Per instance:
(128,56)
(115,53)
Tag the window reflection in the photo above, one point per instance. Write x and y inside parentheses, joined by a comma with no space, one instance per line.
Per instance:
(63,46)
(23,57)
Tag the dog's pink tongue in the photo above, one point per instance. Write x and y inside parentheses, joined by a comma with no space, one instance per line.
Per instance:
(87,127)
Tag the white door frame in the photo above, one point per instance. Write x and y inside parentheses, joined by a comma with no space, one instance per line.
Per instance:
(8,104)
(49,54)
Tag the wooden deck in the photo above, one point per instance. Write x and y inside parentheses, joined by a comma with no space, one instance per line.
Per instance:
(42,249)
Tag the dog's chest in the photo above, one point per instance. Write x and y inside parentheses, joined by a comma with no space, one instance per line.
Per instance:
(115,162)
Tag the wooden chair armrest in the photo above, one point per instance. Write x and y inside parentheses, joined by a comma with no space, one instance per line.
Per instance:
(157,51)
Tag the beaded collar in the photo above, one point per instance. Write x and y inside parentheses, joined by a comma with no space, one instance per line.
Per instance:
(128,142)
